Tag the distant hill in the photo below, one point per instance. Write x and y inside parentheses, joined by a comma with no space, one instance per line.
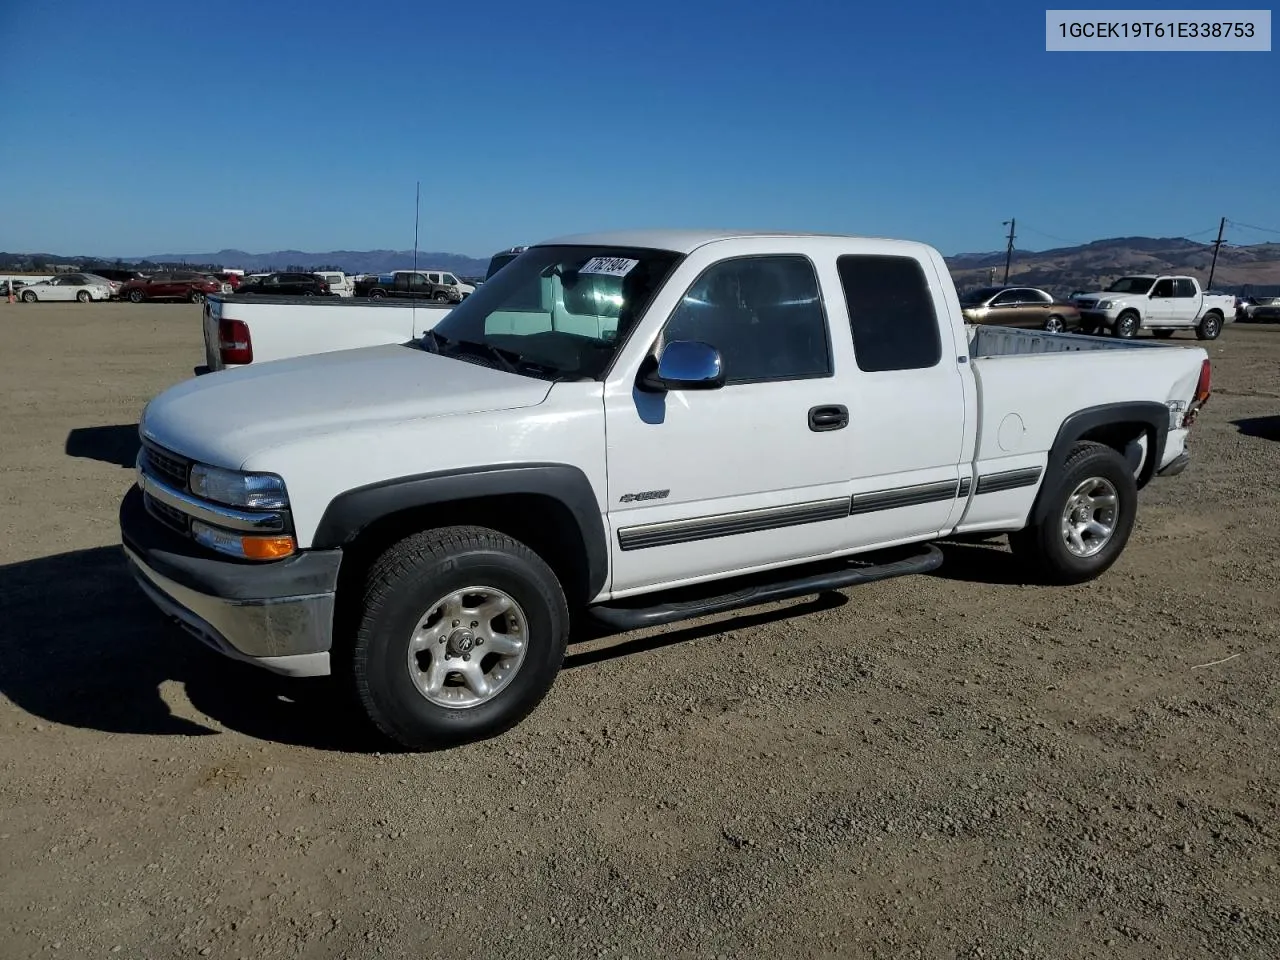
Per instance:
(1059,270)
(1096,264)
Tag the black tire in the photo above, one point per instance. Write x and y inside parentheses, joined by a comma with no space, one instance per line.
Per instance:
(1209,327)
(1128,324)
(1055,324)
(1043,546)
(1162,334)
(195,296)
(440,296)
(402,587)
(29,296)
(83,296)
(377,294)
(135,296)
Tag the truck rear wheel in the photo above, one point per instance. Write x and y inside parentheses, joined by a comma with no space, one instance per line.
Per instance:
(461,635)
(1209,327)
(1088,516)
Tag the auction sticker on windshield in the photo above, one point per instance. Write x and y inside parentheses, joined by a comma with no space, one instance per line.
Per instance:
(609,266)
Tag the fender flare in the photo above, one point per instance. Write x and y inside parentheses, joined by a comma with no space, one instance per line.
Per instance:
(351,512)
(1150,414)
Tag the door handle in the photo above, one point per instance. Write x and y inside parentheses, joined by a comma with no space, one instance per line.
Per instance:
(832,416)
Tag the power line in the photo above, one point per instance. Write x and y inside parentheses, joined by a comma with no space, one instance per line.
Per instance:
(1051,236)
(1237,223)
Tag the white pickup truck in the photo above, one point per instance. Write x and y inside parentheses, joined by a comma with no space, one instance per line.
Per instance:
(718,420)
(1161,304)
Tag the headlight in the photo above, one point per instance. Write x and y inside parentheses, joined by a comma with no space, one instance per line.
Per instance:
(263,491)
(1104,305)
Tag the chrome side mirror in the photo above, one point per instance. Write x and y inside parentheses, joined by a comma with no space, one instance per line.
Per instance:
(684,365)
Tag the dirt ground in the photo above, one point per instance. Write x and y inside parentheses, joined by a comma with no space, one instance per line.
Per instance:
(957,765)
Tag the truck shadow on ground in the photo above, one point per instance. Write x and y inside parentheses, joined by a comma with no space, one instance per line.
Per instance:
(82,646)
(1264,428)
(980,561)
(117,444)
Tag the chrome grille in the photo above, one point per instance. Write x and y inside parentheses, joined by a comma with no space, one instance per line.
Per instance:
(165,466)
(174,519)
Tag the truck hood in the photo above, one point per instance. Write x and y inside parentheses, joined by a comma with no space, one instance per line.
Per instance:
(226,417)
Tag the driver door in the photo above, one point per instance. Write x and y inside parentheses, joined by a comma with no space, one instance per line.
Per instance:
(754,473)
(1161,308)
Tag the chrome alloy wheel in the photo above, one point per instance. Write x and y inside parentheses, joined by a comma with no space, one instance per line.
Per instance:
(468,647)
(1089,517)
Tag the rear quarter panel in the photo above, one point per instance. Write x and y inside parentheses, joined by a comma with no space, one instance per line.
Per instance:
(1023,400)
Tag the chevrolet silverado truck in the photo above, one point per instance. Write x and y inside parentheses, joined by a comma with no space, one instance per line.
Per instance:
(632,428)
(1160,304)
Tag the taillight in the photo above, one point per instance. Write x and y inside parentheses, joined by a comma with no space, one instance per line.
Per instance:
(234,343)
(1201,396)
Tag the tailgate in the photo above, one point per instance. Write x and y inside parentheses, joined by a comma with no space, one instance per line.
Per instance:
(210,316)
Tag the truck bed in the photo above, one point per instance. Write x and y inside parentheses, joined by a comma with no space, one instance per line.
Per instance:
(282,327)
(991,341)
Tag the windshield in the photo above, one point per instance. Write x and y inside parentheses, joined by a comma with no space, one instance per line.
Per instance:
(1131,285)
(980,295)
(563,309)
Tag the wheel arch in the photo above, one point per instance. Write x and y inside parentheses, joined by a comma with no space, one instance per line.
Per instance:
(1114,424)
(550,507)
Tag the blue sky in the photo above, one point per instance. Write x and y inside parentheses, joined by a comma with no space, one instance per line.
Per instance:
(140,127)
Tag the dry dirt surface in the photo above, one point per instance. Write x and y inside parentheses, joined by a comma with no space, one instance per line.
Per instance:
(958,765)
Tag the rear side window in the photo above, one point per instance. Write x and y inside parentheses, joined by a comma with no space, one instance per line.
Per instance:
(890,312)
(1183,287)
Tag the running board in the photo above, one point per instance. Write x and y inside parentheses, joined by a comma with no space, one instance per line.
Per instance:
(699,601)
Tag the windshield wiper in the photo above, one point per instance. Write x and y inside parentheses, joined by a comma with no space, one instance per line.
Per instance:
(439,340)
(508,358)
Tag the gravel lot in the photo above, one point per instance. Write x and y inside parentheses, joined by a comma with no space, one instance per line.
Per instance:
(948,766)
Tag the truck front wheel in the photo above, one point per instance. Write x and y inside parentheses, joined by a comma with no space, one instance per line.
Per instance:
(1127,324)
(461,634)
(1088,515)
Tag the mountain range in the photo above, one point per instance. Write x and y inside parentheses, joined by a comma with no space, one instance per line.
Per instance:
(1094,265)
(1060,270)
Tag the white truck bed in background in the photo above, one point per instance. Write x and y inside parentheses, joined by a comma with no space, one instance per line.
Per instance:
(282,327)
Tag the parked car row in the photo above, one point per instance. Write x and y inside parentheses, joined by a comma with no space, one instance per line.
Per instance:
(1160,304)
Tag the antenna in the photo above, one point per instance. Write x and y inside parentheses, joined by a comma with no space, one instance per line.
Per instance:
(417,207)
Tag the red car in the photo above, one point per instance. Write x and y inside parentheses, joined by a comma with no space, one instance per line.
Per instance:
(178,285)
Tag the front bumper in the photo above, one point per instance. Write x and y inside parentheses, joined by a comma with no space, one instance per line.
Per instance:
(276,615)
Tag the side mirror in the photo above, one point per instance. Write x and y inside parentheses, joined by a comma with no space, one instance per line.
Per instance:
(684,365)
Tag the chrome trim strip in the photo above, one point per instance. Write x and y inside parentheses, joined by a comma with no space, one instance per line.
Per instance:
(1009,480)
(228,518)
(875,500)
(671,532)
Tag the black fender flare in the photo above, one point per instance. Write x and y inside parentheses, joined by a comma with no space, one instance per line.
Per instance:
(1150,414)
(350,512)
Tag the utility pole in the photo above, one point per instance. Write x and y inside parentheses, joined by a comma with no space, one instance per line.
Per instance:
(1217,244)
(1008,255)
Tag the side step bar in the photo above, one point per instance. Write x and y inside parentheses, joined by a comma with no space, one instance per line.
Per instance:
(701,600)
